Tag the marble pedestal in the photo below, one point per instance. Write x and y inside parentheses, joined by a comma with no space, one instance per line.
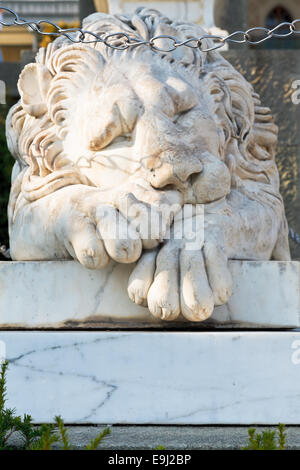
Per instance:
(191,376)
(155,377)
(63,294)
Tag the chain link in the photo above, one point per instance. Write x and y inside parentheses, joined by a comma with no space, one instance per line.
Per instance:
(122,41)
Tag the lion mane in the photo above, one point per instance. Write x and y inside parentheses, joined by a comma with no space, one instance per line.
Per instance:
(38,123)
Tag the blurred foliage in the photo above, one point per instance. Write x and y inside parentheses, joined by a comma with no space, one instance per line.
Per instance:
(6,165)
(51,29)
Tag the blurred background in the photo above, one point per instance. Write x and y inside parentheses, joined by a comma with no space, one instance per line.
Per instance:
(272,67)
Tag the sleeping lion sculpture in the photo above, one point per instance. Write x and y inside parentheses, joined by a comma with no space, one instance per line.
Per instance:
(110,142)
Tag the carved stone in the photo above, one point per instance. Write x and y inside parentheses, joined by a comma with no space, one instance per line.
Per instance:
(109,143)
(65,295)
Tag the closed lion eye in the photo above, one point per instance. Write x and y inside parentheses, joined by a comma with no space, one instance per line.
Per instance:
(180,117)
(104,129)
(183,95)
(117,121)
(112,127)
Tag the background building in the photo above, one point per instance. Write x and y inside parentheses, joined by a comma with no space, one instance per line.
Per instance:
(15,39)
(234,15)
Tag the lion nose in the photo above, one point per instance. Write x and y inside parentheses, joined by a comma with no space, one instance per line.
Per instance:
(176,174)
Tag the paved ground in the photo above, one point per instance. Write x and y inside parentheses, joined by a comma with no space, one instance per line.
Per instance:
(171,437)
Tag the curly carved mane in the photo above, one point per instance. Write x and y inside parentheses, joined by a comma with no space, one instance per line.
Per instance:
(37,125)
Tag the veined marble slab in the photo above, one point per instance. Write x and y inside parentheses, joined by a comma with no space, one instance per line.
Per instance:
(63,294)
(155,377)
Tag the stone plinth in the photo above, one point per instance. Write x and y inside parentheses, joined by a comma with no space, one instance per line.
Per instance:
(155,377)
(63,294)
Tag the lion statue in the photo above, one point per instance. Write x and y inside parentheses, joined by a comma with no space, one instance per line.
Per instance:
(113,140)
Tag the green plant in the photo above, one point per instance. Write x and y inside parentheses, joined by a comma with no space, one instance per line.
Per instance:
(267,440)
(35,438)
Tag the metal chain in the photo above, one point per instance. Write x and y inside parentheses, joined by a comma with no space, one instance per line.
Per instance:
(122,41)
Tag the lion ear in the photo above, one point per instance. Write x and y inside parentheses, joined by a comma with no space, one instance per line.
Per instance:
(33,85)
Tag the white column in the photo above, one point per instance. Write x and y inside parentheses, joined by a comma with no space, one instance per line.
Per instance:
(208,13)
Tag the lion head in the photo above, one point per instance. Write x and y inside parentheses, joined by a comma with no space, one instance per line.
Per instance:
(90,114)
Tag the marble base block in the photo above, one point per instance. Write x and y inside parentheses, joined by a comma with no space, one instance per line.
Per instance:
(155,377)
(63,294)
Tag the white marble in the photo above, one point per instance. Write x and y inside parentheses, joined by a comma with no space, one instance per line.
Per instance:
(196,11)
(155,377)
(119,152)
(61,294)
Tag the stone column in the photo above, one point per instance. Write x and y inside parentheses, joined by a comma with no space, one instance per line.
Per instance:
(208,13)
